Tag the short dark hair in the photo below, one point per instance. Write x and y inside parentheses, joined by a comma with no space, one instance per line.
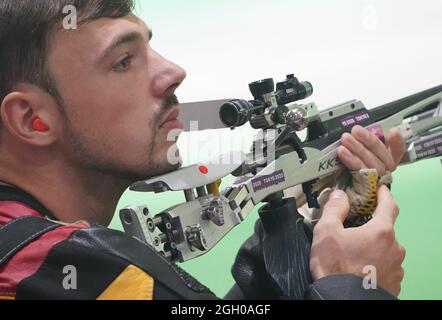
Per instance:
(26,30)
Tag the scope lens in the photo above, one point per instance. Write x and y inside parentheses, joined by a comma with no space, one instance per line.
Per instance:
(308,89)
(236,113)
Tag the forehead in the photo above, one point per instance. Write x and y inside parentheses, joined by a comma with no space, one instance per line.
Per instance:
(91,38)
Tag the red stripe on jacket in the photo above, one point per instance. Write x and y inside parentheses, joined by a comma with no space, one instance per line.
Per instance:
(29,259)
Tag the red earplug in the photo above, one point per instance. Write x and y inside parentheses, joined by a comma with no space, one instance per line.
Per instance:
(39,125)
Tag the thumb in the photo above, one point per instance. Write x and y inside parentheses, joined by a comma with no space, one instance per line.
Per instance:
(396,145)
(387,210)
(336,209)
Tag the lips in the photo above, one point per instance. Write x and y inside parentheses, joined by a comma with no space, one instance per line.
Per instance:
(171,121)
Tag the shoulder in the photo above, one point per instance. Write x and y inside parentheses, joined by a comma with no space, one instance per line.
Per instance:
(82,262)
(31,257)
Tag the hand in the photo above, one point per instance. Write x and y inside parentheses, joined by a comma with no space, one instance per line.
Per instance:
(362,149)
(336,250)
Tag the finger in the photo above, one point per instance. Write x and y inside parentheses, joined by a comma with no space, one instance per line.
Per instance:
(359,150)
(387,210)
(397,145)
(349,160)
(335,210)
(373,144)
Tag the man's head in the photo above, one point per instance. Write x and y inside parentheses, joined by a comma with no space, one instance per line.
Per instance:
(101,89)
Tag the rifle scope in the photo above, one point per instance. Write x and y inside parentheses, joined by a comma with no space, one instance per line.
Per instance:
(238,112)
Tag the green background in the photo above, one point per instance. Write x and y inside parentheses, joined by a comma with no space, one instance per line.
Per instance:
(324,41)
(417,189)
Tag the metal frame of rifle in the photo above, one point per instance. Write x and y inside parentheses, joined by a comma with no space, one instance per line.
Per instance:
(190,229)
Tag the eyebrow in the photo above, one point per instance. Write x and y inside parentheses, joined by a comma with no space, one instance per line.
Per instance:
(123,39)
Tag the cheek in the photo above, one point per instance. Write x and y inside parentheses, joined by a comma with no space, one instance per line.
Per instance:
(130,138)
(111,98)
(124,143)
(113,114)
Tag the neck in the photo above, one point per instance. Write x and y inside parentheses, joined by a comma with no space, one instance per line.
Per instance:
(71,195)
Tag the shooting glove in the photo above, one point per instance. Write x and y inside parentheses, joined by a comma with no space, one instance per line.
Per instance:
(361,193)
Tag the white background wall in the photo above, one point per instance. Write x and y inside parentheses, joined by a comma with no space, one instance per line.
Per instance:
(375,51)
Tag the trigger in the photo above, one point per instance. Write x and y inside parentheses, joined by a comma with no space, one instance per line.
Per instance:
(312,197)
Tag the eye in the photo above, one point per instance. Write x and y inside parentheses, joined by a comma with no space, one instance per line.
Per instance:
(123,65)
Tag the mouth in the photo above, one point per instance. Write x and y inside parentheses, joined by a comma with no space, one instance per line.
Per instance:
(171,121)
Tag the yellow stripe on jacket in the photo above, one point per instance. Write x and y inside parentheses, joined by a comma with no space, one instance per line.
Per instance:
(132,284)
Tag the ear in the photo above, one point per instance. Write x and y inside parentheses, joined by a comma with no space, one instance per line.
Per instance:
(21,107)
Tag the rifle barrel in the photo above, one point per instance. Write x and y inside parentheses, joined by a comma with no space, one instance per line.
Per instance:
(389,109)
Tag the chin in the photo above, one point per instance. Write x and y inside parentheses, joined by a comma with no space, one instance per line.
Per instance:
(167,159)
(159,169)
(168,168)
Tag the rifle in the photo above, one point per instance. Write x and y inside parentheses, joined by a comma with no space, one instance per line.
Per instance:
(276,163)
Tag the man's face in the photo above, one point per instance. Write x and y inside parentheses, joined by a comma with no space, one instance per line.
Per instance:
(118,96)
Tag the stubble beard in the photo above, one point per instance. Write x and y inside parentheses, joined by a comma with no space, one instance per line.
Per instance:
(83,155)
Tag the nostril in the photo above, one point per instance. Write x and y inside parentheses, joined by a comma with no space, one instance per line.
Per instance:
(171,90)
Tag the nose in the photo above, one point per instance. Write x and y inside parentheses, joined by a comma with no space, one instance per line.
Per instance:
(168,76)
